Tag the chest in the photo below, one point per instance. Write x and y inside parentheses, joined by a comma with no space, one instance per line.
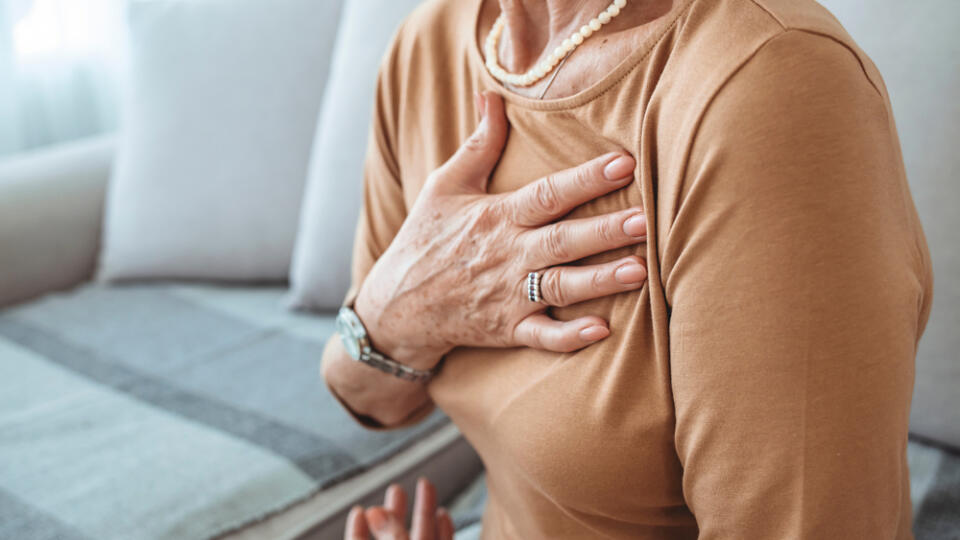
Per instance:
(582,430)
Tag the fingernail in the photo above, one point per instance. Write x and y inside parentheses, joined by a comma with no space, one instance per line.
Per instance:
(636,225)
(594,333)
(421,487)
(376,518)
(630,273)
(619,168)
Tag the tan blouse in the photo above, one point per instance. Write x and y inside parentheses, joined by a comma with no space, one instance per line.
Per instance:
(759,385)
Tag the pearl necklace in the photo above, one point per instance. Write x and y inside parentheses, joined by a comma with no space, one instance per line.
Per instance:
(547,65)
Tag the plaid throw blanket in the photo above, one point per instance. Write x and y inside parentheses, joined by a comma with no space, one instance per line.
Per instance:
(168,411)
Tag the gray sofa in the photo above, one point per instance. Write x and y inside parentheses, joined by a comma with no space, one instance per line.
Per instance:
(179,410)
(169,410)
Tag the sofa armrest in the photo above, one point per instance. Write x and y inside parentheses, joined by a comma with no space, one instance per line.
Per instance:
(51,208)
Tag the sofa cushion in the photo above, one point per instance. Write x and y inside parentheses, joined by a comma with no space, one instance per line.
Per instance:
(915,45)
(169,411)
(934,491)
(220,103)
(320,272)
(51,207)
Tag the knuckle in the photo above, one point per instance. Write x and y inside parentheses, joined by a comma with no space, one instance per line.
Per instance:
(547,196)
(476,142)
(606,231)
(536,336)
(481,220)
(486,216)
(598,280)
(551,286)
(555,244)
(585,174)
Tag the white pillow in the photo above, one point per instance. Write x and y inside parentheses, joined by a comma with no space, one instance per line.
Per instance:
(220,104)
(320,273)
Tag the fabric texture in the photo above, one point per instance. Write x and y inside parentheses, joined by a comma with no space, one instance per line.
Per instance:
(116,402)
(320,271)
(934,493)
(768,361)
(220,103)
(51,208)
(916,45)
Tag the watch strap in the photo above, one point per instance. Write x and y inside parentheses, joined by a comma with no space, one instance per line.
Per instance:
(386,365)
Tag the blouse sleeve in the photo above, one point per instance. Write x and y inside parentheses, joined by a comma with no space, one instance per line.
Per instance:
(384,208)
(796,275)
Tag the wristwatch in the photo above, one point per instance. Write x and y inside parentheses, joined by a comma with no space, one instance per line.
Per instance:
(357,343)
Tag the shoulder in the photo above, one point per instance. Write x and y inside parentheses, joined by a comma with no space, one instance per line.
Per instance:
(751,63)
(751,59)
(433,32)
(780,40)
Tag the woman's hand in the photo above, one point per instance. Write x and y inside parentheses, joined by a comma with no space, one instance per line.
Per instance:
(387,522)
(456,272)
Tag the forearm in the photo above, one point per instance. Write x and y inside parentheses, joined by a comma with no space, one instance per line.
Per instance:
(385,400)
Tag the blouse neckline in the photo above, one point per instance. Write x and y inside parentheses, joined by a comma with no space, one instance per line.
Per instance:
(659,28)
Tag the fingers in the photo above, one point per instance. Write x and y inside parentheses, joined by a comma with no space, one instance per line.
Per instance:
(424,511)
(384,525)
(444,525)
(356,525)
(387,522)
(566,285)
(469,169)
(578,238)
(395,501)
(538,331)
(549,198)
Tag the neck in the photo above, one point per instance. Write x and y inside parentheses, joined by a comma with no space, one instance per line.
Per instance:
(532,25)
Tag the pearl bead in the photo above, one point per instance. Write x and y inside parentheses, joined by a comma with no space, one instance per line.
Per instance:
(549,63)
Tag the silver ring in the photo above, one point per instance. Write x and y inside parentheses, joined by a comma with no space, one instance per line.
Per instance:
(533,287)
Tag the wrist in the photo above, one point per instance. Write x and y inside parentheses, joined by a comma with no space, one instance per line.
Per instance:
(388,340)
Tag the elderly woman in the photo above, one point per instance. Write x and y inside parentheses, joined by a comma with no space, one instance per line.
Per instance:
(670,286)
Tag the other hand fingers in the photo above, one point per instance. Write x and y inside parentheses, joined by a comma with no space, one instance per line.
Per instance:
(538,331)
(578,238)
(356,525)
(395,501)
(549,198)
(566,285)
(384,525)
(424,511)
(444,525)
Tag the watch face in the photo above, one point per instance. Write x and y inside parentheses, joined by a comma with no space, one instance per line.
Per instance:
(348,336)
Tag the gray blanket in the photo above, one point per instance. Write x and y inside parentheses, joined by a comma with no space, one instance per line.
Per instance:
(168,411)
